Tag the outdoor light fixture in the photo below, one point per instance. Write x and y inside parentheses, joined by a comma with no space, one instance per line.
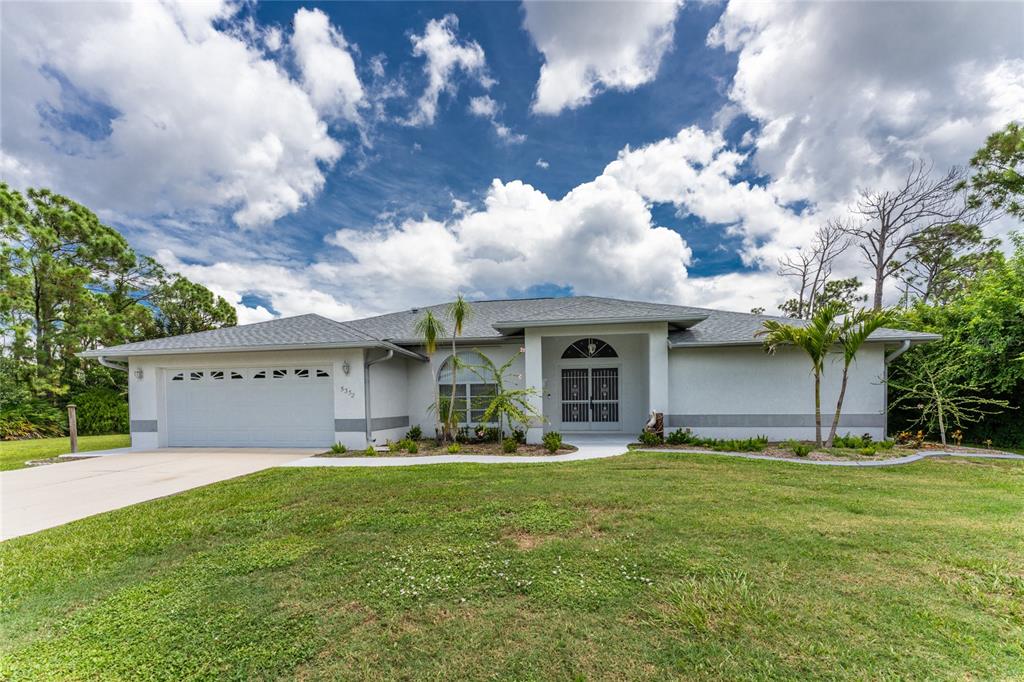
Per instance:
(345,367)
(138,374)
(592,347)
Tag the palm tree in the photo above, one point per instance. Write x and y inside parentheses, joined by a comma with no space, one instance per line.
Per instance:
(430,330)
(815,339)
(854,332)
(458,312)
(512,405)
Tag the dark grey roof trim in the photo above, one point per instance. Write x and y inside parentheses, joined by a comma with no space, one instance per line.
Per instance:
(522,324)
(918,337)
(114,353)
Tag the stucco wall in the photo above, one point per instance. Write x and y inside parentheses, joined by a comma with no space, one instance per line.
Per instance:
(420,386)
(389,390)
(147,396)
(738,392)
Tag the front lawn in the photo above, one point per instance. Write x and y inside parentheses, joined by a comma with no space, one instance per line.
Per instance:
(14,453)
(650,565)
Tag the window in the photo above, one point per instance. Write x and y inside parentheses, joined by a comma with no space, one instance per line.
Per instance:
(472,393)
(236,375)
(195,376)
(321,374)
(217,374)
(280,373)
(180,376)
(589,348)
(262,374)
(301,373)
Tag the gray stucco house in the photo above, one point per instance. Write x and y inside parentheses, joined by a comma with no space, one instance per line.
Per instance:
(598,364)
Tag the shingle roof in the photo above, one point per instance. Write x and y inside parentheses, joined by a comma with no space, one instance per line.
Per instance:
(489,319)
(301,331)
(728,328)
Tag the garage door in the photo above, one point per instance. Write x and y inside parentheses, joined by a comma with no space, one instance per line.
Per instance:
(251,406)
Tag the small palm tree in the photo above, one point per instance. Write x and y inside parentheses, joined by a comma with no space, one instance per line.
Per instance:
(508,405)
(458,312)
(430,330)
(815,339)
(854,332)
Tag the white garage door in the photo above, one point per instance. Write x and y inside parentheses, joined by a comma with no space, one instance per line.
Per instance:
(250,406)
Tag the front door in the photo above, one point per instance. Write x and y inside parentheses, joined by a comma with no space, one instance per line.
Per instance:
(590,398)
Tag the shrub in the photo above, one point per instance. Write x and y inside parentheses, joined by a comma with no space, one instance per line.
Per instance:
(681,437)
(490,434)
(851,441)
(454,448)
(649,438)
(509,445)
(370,452)
(801,449)
(868,451)
(411,447)
(339,449)
(394,445)
(886,444)
(101,410)
(519,435)
(414,433)
(552,441)
(35,419)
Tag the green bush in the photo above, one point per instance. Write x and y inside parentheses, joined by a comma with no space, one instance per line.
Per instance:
(35,419)
(454,449)
(868,451)
(801,449)
(101,411)
(339,449)
(552,441)
(519,435)
(686,437)
(851,441)
(681,437)
(411,447)
(370,452)
(509,445)
(414,433)
(886,444)
(649,438)
(394,445)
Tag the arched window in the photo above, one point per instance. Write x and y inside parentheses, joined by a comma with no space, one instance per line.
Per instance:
(589,348)
(473,393)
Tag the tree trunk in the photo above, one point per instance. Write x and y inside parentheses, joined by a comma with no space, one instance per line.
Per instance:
(839,407)
(879,286)
(942,425)
(817,409)
(452,424)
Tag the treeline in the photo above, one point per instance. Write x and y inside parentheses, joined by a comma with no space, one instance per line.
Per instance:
(925,237)
(69,283)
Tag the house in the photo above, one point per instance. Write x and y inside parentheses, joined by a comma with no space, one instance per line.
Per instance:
(598,364)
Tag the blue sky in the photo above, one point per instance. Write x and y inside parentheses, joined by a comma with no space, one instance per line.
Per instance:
(289,156)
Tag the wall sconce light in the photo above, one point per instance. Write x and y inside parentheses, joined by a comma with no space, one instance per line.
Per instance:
(138,374)
(346,368)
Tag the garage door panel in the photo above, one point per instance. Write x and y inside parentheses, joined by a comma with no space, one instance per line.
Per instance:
(253,406)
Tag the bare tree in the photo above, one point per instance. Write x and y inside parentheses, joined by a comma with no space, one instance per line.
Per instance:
(892,218)
(811,266)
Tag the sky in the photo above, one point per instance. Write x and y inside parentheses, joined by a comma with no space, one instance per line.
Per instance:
(350,159)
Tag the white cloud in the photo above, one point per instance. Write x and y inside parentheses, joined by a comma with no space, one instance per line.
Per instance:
(541,163)
(487,107)
(148,109)
(289,291)
(591,47)
(445,55)
(600,238)
(328,70)
(848,93)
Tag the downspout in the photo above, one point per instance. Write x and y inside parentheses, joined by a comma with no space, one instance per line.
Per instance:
(366,392)
(112,364)
(904,347)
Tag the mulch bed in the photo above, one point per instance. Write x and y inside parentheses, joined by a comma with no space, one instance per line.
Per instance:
(53,460)
(833,455)
(427,448)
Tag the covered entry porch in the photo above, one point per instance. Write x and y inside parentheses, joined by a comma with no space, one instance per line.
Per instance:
(597,379)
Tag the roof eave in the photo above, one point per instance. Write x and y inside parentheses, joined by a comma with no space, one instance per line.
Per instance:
(924,338)
(523,324)
(114,353)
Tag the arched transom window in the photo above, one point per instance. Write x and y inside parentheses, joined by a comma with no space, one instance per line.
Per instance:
(472,391)
(589,348)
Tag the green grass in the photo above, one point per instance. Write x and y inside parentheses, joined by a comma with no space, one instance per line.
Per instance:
(650,565)
(14,453)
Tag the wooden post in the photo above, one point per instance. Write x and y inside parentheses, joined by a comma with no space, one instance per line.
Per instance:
(73,427)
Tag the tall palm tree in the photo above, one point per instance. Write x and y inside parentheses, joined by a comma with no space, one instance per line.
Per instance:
(854,332)
(815,339)
(458,312)
(430,329)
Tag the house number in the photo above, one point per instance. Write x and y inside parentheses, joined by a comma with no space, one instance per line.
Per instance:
(348,391)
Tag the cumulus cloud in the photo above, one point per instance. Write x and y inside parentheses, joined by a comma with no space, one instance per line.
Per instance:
(541,163)
(148,109)
(328,70)
(591,47)
(446,57)
(487,107)
(846,94)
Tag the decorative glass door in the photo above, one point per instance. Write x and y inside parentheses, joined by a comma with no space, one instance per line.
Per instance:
(590,398)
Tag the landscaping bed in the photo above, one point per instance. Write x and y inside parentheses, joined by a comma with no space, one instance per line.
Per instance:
(425,448)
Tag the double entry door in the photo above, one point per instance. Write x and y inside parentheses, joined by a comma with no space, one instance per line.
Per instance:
(590,398)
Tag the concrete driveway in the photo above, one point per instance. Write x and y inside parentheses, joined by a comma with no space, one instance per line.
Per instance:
(46,496)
